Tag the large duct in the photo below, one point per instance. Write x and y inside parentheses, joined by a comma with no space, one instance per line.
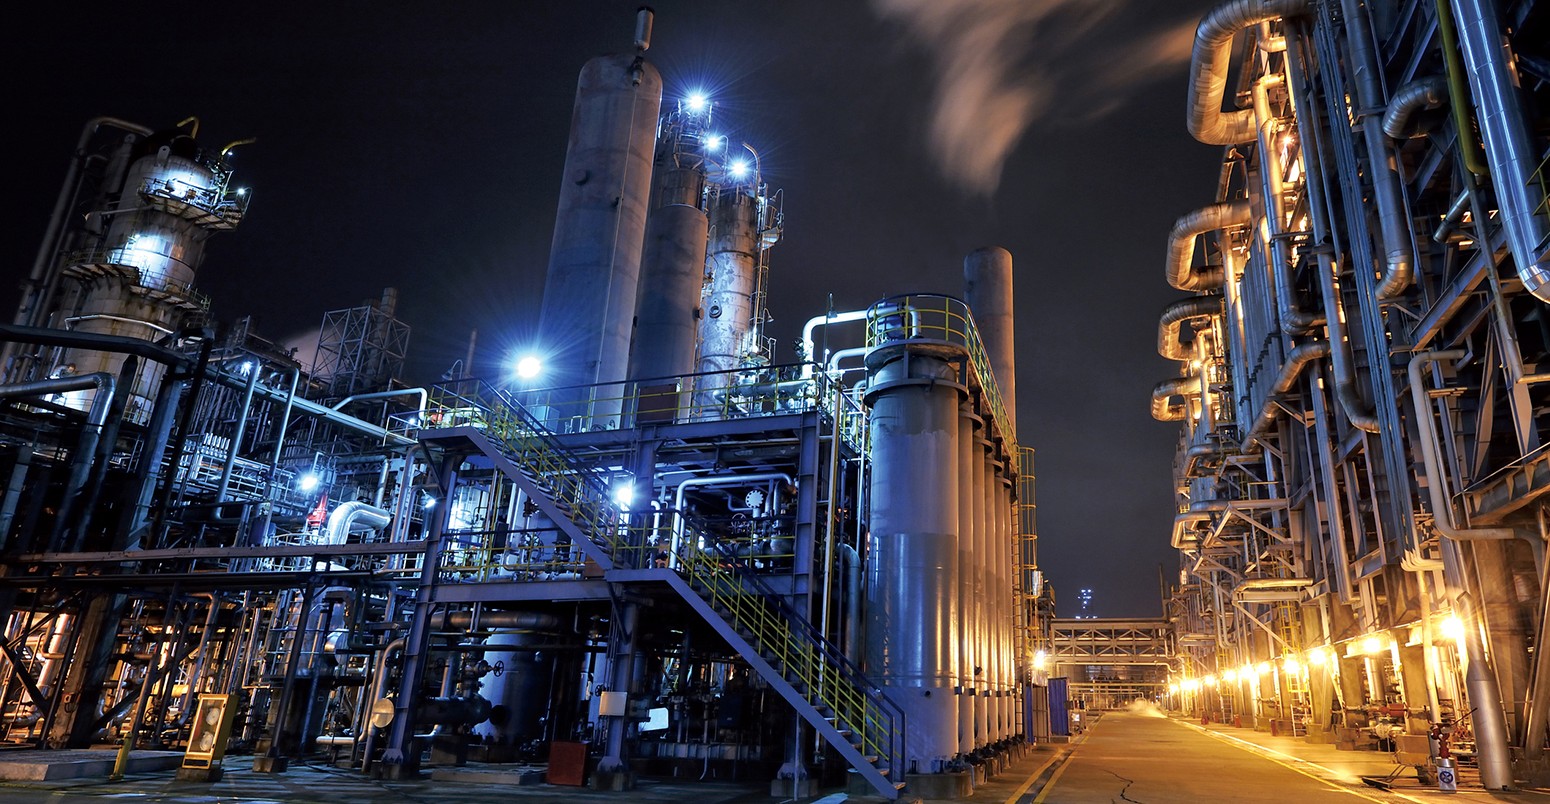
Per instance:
(600,226)
(1163,407)
(1209,67)
(1181,243)
(912,558)
(1419,95)
(1509,149)
(1175,316)
(1290,370)
(987,289)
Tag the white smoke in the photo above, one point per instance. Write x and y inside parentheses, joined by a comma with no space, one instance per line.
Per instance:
(1001,65)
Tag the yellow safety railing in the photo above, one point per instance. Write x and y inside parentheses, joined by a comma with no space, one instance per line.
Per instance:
(943,319)
(714,566)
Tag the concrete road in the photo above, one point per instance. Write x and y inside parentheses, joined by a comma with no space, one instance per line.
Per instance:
(1152,759)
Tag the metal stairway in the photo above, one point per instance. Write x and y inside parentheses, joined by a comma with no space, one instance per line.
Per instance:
(825,688)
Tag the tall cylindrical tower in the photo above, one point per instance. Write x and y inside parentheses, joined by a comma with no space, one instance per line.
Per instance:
(987,288)
(673,266)
(135,277)
(968,625)
(594,263)
(912,568)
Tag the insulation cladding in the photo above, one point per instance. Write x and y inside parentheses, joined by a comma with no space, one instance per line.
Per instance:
(599,231)
(912,596)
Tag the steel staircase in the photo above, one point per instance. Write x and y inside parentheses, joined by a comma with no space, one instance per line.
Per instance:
(821,684)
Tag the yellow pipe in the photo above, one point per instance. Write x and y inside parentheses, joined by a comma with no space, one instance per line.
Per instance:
(1458,92)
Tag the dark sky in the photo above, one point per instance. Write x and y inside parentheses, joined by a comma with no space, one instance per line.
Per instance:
(420,146)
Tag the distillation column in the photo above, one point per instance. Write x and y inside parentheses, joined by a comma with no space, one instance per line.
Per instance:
(599,230)
(969,625)
(987,279)
(672,268)
(912,573)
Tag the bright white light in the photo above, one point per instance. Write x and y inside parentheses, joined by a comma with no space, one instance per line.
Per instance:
(1040,659)
(1209,681)
(1229,674)
(308,481)
(1453,628)
(696,102)
(1318,657)
(738,169)
(624,493)
(430,502)
(1291,666)
(247,367)
(529,367)
(242,191)
(1372,644)
(1263,667)
(713,143)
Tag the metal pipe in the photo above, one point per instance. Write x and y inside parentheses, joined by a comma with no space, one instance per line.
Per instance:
(1174,317)
(1272,191)
(1181,243)
(1356,410)
(1458,92)
(1393,218)
(1437,479)
(236,440)
(347,516)
(1163,409)
(82,456)
(724,480)
(1209,67)
(822,321)
(1509,146)
(1418,95)
(420,392)
(1484,691)
(1290,369)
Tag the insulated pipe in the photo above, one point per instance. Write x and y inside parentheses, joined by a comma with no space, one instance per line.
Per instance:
(1175,316)
(420,392)
(1290,369)
(524,620)
(1163,409)
(852,644)
(814,323)
(987,289)
(1361,416)
(1510,150)
(1293,318)
(353,515)
(968,463)
(1495,759)
(1209,64)
(980,569)
(912,569)
(1393,218)
(1181,243)
(1430,92)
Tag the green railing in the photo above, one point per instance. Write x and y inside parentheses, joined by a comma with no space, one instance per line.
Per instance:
(718,574)
(941,319)
(1542,178)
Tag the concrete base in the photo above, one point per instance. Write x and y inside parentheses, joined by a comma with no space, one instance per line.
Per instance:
(513,775)
(210,774)
(804,788)
(263,764)
(48,766)
(949,786)
(613,781)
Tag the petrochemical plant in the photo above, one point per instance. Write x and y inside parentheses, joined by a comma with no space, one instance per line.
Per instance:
(658,550)
(1362,461)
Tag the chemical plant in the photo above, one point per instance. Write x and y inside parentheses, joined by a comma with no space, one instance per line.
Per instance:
(1362,459)
(656,549)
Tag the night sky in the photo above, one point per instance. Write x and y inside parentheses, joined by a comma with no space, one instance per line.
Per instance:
(420,146)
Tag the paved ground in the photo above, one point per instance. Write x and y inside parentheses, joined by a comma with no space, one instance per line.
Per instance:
(1124,757)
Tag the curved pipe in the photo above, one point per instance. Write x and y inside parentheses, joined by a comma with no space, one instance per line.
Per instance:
(1421,94)
(1509,148)
(1209,64)
(1393,219)
(727,480)
(1163,409)
(1181,243)
(1290,370)
(822,321)
(1175,316)
(420,392)
(353,515)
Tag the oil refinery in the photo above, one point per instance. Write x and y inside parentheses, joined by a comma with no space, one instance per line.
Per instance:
(1361,458)
(655,550)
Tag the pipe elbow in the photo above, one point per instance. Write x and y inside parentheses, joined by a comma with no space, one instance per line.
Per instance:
(1181,243)
(1418,95)
(1164,409)
(1175,316)
(1209,63)
(1399,275)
